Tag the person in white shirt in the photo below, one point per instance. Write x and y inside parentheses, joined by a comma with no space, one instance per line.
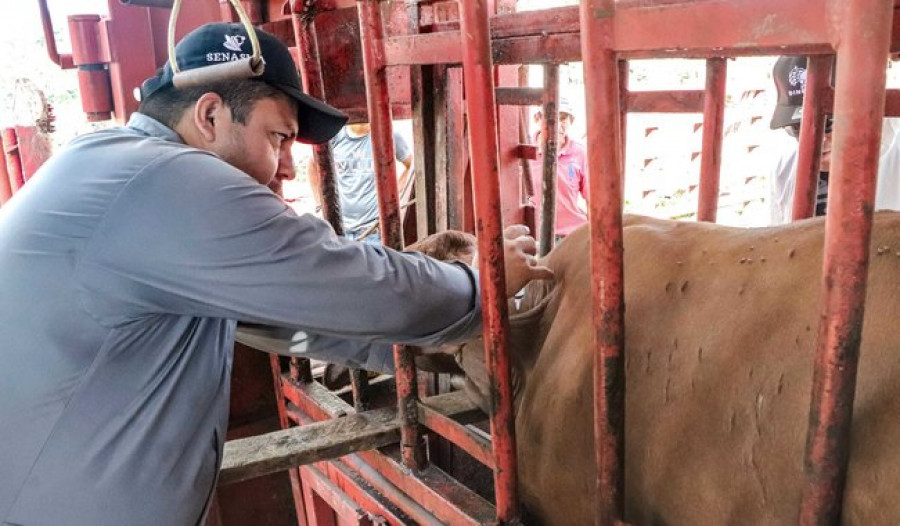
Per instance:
(790,81)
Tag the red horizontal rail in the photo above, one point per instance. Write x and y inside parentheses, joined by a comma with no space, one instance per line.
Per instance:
(748,27)
(448,500)
(345,508)
(457,433)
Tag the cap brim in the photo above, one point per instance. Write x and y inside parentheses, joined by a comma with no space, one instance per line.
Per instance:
(785,116)
(318,122)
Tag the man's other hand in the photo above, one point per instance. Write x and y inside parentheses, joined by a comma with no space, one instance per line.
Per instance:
(520,251)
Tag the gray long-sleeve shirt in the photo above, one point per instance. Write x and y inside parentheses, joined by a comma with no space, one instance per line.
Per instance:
(126,263)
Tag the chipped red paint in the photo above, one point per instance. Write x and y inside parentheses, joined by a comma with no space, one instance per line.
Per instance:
(864,35)
(311,74)
(483,147)
(605,207)
(371,26)
(13,159)
(550,145)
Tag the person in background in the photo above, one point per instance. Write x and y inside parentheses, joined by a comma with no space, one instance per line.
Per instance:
(789,75)
(354,167)
(571,172)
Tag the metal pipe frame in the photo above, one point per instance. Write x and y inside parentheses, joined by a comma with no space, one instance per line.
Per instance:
(284,422)
(607,284)
(483,147)
(371,27)
(6,189)
(864,37)
(311,73)
(624,80)
(63,61)
(550,159)
(713,121)
(812,130)
(13,159)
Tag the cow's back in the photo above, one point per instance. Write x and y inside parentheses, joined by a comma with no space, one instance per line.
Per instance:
(721,326)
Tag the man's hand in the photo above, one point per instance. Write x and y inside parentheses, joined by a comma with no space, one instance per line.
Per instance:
(519,251)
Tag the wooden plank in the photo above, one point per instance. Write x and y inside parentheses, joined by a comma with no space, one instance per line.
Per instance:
(456,405)
(519,96)
(272,452)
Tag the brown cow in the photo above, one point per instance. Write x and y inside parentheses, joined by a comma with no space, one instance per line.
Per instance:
(720,333)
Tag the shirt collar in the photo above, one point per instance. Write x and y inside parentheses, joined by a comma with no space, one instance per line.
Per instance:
(152,128)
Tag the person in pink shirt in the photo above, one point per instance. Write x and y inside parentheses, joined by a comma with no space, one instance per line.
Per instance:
(571,175)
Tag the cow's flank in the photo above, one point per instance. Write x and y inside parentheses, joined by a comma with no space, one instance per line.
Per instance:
(721,325)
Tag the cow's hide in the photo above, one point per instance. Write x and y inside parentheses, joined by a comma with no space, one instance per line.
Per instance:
(721,326)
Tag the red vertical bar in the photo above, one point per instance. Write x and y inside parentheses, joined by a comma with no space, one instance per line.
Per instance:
(296,489)
(604,147)
(371,28)
(713,120)
(624,77)
(6,190)
(812,129)
(483,145)
(863,36)
(372,33)
(311,72)
(13,159)
(550,149)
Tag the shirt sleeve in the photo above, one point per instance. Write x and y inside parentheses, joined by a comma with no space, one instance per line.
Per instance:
(401,148)
(781,187)
(192,235)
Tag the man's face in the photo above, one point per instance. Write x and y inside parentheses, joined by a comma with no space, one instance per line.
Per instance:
(262,147)
(565,124)
(825,159)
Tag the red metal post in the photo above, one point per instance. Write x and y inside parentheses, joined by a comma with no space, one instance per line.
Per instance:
(550,147)
(296,489)
(603,148)
(13,159)
(91,57)
(311,73)
(371,27)
(6,190)
(713,120)
(812,129)
(63,61)
(863,39)
(624,78)
(483,146)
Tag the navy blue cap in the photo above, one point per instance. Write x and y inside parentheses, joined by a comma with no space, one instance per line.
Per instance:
(223,42)
(789,74)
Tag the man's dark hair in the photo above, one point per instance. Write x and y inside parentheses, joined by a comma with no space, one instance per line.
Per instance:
(168,105)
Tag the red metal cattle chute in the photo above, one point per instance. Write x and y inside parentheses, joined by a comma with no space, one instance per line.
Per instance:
(605,34)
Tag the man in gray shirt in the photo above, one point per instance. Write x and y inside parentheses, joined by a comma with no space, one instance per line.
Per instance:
(128,261)
(354,168)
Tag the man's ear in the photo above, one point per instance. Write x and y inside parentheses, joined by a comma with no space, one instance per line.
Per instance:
(209,113)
